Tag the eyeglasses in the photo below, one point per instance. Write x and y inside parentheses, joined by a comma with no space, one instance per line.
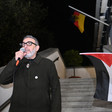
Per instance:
(29,43)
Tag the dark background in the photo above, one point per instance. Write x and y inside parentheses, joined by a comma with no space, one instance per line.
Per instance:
(66,34)
(47,20)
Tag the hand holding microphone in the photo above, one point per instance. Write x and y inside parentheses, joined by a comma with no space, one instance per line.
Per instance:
(19,55)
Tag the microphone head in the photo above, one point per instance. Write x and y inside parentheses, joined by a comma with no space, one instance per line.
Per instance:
(22,49)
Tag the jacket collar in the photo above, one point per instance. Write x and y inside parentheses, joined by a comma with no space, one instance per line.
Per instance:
(37,59)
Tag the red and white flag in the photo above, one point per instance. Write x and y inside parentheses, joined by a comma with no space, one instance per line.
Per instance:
(103,67)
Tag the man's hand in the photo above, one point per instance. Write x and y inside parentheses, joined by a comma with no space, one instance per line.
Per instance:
(19,54)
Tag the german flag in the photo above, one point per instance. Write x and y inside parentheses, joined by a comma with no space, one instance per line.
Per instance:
(78,19)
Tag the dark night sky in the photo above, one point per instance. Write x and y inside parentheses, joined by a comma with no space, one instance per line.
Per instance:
(67,35)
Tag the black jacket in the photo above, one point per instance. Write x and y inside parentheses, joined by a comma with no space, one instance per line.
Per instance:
(36,85)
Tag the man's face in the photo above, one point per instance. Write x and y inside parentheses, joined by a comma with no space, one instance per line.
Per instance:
(30,48)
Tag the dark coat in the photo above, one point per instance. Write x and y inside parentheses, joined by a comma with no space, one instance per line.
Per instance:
(36,85)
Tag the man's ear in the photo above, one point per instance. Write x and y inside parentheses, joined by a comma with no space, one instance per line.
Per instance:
(37,47)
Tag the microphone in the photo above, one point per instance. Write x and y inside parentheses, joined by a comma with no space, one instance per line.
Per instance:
(23,50)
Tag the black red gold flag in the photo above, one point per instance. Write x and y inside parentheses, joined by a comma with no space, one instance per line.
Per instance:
(79,20)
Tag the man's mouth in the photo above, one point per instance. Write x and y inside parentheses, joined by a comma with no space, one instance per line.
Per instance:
(27,50)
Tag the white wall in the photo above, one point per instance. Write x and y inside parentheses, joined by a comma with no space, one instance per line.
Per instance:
(61,69)
(5,93)
(83,72)
(104,6)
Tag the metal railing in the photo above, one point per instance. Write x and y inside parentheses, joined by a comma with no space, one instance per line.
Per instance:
(5,104)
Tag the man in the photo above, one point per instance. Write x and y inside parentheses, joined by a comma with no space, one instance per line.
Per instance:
(36,83)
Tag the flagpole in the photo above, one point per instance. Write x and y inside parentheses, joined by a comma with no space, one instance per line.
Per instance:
(88,15)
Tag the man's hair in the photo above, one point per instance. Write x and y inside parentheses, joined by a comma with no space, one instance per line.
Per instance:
(30,36)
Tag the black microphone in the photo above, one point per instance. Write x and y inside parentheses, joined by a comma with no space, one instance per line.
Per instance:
(23,50)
